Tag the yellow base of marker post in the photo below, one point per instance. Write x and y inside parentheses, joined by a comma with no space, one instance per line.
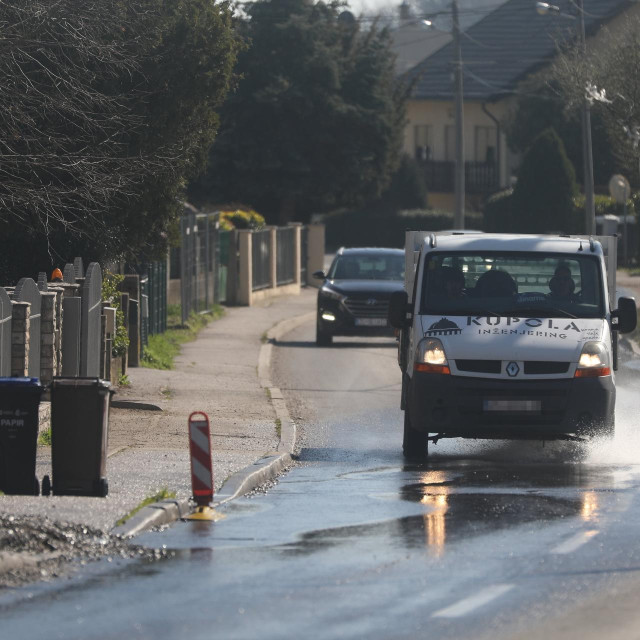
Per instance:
(205,513)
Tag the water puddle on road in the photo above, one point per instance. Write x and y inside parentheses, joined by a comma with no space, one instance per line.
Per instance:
(450,517)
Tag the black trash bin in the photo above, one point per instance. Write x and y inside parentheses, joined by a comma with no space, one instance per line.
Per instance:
(79,432)
(19,409)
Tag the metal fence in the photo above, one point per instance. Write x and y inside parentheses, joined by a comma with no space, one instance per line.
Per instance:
(221,265)
(153,297)
(285,249)
(203,255)
(261,259)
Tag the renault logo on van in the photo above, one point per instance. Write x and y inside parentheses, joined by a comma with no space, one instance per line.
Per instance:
(513,369)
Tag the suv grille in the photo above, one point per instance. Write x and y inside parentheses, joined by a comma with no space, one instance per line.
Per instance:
(367,307)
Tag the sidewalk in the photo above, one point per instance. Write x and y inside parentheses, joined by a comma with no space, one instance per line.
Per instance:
(224,373)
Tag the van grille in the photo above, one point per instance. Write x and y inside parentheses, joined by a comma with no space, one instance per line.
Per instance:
(535,367)
(479,366)
(531,367)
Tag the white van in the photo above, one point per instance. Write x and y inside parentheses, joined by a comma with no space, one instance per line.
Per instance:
(508,336)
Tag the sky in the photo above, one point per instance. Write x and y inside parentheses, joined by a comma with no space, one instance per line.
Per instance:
(358,6)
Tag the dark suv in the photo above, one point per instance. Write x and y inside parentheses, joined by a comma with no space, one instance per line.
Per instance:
(354,297)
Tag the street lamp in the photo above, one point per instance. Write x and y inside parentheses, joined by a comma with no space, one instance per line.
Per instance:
(543,8)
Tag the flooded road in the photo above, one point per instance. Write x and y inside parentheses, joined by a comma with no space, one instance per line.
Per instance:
(487,539)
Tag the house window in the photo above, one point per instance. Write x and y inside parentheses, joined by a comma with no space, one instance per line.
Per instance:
(423,141)
(486,145)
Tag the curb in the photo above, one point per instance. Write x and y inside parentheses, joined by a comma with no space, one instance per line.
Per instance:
(263,470)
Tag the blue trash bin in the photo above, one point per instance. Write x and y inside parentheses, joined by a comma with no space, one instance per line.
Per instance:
(19,417)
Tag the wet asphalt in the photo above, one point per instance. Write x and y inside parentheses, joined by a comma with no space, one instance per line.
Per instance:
(487,539)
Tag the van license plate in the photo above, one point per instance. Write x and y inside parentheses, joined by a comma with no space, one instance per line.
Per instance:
(371,322)
(513,405)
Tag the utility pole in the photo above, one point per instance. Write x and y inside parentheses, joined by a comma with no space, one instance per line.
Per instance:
(458,218)
(587,149)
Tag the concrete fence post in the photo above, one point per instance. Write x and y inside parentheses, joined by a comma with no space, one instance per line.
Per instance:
(48,359)
(131,286)
(71,330)
(245,274)
(315,253)
(6,312)
(135,350)
(273,256)
(27,291)
(20,339)
(297,251)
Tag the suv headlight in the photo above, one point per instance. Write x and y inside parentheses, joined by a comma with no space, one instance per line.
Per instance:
(594,361)
(430,357)
(334,295)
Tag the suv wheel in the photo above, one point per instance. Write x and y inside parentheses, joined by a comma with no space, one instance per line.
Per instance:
(323,338)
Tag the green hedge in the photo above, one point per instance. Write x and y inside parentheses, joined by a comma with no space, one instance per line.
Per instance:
(375,229)
(500,217)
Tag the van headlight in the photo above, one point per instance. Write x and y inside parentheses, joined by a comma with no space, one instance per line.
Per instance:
(430,357)
(594,361)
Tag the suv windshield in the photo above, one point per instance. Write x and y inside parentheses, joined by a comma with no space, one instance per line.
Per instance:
(368,266)
(512,284)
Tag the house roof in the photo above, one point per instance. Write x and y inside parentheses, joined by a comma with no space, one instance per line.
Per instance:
(505,46)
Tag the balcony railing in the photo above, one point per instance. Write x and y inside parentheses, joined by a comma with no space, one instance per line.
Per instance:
(480,177)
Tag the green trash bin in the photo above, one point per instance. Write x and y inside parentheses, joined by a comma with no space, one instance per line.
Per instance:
(19,417)
(79,433)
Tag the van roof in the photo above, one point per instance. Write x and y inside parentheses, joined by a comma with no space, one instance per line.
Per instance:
(512,242)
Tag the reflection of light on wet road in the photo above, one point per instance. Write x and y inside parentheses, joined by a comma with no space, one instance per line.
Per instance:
(589,511)
(435,526)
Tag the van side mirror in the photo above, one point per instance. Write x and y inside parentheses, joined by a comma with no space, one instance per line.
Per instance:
(627,315)
(398,308)
(319,275)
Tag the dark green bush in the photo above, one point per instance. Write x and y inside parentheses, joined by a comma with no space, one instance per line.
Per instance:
(543,198)
(498,213)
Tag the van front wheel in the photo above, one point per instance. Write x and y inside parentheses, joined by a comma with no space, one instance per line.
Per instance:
(415,444)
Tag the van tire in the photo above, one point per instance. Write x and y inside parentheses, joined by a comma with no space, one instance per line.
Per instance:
(415,444)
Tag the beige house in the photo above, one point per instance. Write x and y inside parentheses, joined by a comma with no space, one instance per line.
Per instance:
(498,53)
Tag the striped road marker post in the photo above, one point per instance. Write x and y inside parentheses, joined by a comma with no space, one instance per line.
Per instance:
(201,467)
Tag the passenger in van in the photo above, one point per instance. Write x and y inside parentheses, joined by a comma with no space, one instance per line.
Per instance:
(450,283)
(495,284)
(562,285)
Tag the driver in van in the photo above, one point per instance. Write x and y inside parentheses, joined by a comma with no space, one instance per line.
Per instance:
(562,285)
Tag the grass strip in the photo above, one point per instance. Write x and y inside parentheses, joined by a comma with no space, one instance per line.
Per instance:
(163,494)
(164,347)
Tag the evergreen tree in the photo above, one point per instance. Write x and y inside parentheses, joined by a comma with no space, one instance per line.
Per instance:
(543,196)
(316,121)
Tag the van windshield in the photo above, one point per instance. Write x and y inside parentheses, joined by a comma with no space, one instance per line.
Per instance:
(512,284)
